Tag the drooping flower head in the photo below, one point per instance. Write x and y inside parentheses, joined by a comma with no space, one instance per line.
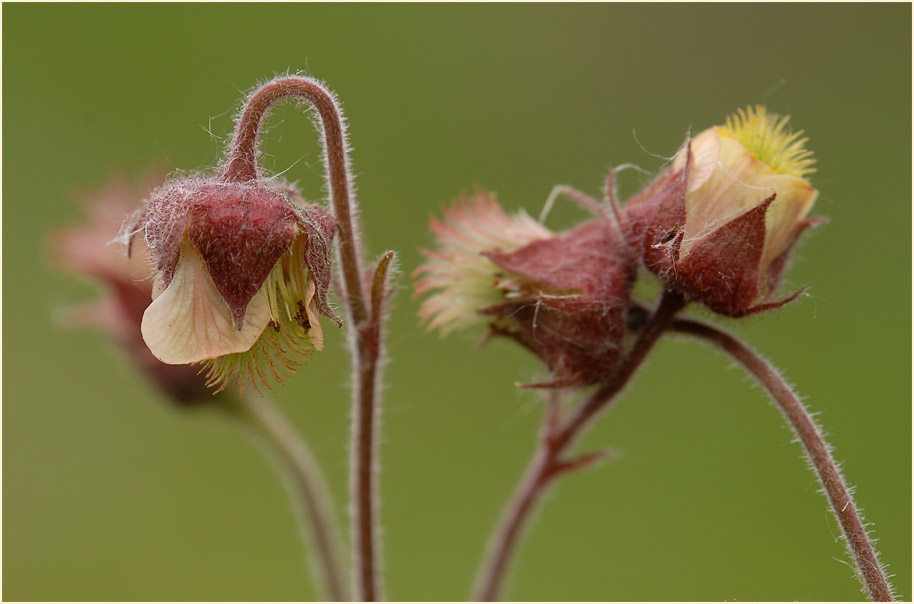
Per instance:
(243,270)
(87,250)
(562,296)
(719,223)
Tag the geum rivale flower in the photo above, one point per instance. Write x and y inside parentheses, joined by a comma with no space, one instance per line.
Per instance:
(562,296)
(719,224)
(243,270)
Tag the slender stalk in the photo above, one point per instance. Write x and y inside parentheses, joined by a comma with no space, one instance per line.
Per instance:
(241,164)
(295,462)
(548,463)
(503,542)
(870,571)
(364,476)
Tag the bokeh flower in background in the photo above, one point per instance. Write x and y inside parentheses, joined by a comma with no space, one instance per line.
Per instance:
(87,250)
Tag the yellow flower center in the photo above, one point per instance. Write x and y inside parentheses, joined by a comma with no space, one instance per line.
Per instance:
(766,136)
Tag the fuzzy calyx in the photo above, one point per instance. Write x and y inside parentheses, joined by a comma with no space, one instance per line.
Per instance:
(573,289)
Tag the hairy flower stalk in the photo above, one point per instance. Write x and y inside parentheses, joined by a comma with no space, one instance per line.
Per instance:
(87,250)
(818,452)
(365,312)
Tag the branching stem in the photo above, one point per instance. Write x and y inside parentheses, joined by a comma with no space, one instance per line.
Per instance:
(548,460)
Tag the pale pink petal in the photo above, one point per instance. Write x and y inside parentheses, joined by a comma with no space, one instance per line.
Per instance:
(317,333)
(190,322)
(705,158)
(793,203)
(738,183)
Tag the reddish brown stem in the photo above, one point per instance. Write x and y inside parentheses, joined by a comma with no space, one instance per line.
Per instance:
(241,164)
(870,571)
(547,462)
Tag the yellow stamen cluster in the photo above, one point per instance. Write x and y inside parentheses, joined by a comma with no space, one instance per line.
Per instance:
(766,136)
(285,344)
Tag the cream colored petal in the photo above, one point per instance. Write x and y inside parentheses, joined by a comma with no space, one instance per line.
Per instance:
(739,183)
(317,333)
(793,203)
(158,286)
(705,156)
(190,322)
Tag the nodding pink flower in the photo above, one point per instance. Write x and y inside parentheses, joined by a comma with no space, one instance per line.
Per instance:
(242,274)
(86,250)
(562,296)
(719,224)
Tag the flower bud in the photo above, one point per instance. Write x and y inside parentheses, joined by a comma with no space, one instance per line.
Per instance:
(562,296)
(719,224)
(243,270)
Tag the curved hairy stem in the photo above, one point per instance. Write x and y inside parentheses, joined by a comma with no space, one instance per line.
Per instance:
(241,164)
(364,330)
(869,569)
(307,487)
(548,461)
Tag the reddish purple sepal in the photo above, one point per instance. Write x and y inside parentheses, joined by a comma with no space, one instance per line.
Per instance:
(723,269)
(656,211)
(241,232)
(320,227)
(574,317)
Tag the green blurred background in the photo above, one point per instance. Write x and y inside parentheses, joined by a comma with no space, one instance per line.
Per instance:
(109,494)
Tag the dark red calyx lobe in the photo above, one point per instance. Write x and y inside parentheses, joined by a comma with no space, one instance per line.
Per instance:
(579,286)
(653,215)
(723,269)
(590,259)
(241,231)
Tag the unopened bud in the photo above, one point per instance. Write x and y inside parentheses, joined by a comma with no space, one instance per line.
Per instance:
(719,224)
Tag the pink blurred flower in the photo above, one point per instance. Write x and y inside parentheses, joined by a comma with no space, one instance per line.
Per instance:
(88,250)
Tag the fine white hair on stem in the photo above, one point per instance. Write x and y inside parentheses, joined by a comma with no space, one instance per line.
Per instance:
(818,453)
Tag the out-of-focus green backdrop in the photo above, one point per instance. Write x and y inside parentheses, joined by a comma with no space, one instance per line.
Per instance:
(109,494)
